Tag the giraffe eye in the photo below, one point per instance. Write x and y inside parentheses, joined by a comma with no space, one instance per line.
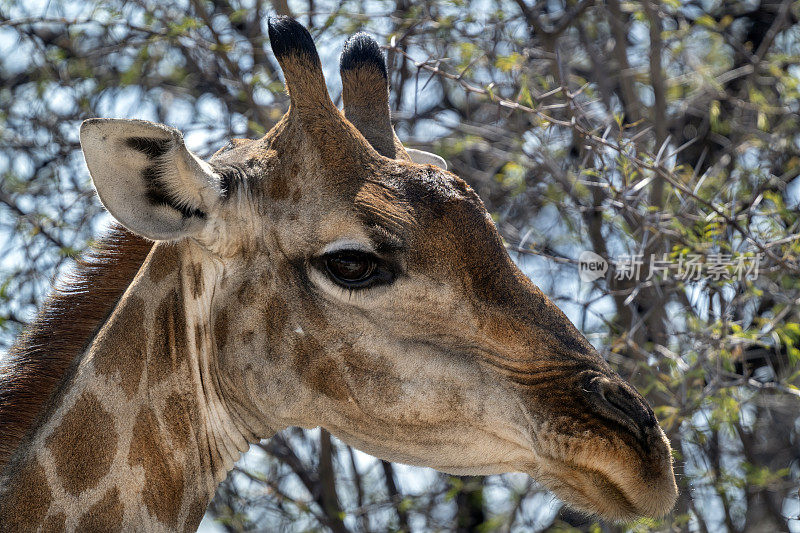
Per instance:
(354,269)
(350,267)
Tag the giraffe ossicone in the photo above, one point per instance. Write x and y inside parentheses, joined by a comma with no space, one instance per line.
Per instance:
(318,276)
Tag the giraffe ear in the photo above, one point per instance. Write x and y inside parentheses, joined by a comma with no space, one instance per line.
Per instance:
(365,94)
(426,158)
(147,178)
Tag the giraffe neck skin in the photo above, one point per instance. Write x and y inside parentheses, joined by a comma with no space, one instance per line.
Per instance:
(139,436)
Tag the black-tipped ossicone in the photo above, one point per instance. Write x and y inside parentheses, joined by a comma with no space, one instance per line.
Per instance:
(289,37)
(362,50)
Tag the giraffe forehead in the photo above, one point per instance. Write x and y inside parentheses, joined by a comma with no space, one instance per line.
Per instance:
(309,204)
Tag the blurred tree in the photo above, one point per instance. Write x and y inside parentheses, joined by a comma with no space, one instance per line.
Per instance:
(661,129)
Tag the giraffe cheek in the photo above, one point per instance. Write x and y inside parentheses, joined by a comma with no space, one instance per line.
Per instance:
(373,378)
(275,316)
(319,371)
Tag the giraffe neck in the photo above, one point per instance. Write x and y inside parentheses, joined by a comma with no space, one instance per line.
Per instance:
(138,436)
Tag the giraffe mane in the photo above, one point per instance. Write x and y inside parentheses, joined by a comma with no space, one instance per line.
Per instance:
(68,321)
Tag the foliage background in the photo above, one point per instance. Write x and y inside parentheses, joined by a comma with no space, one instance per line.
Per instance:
(614,126)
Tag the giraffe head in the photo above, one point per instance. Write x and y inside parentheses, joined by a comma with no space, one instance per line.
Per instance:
(355,289)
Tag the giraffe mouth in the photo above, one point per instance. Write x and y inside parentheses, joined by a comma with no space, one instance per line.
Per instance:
(592,492)
(617,496)
(596,482)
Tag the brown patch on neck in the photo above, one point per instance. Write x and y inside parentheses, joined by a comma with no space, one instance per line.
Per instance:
(170,342)
(197,280)
(221,330)
(66,325)
(126,367)
(179,413)
(164,263)
(195,515)
(28,501)
(85,431)
(56,523)
(164,476)
(105,515)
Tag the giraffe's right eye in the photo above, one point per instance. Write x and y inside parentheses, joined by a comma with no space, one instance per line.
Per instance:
(354,269)
(349,267)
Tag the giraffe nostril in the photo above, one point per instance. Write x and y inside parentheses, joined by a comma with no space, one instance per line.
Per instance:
(613,400)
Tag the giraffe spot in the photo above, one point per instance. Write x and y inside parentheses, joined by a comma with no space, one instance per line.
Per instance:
(165,261)
(105,515)
(279,186)
(266,277)
(164,477)
(221,329)
(372,373)
(169,347)
(199,336)
(194,516)
(318,370)
(246,295)
(312,312)
(276,315)
(197,280)
(27,501)
(56,523)
(125,363)
(179,413)
(285,271)
(85,431)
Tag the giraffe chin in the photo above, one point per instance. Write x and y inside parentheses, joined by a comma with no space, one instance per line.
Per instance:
(616,496)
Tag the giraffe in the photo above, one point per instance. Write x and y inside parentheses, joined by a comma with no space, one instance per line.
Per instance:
(321,276)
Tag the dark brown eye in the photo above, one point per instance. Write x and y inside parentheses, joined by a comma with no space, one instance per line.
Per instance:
(350,268)
(355,269)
